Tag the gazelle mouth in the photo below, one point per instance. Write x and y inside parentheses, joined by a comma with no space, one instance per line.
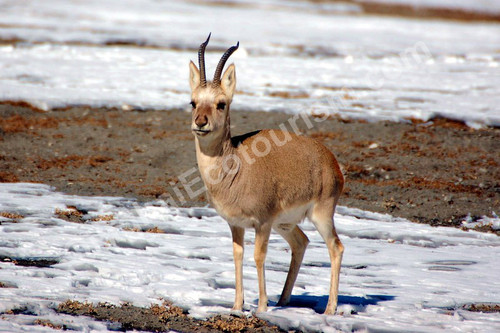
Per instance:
(201,132)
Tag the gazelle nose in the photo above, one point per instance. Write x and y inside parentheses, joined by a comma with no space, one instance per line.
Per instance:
(201,121)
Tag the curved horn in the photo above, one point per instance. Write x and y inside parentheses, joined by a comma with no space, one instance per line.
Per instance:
(201,61)
(222,62)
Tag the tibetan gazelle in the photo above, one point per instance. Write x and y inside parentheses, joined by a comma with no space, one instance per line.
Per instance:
(267,179)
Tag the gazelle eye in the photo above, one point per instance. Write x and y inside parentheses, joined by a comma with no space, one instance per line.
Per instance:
(221,106)
(193,104)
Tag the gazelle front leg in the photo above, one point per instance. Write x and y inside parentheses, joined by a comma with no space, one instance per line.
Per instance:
(238,234)
(262,234)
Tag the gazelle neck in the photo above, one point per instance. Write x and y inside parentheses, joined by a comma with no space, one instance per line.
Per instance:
(211,154)
(215,145)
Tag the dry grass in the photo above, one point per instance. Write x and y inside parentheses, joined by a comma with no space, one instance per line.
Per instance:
(164,317)
(76,305)
(154,230)
(482,307)
(153,190)
(8,177)
(18,123)
(325,136)
(48,323)
(21,124)
(71,214)
(289,95)
(236,324)
(12,216)
(73,161)
(98,218)
(167,310)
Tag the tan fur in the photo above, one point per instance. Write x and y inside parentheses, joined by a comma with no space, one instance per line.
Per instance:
(265,180)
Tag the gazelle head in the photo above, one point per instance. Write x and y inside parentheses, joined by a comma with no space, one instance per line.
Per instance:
(211,100)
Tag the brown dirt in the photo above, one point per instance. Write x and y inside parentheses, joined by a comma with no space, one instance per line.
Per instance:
(12,216)
(29,262)
(482,307)
(419,11)
(435,173)
(48,323)
(165,317)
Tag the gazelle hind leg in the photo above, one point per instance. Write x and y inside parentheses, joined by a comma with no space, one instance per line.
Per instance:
(322,218)
(298,243)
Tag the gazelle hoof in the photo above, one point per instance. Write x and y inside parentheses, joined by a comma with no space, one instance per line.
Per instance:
(330,311)
(237,308)
(283,302)
(262,308)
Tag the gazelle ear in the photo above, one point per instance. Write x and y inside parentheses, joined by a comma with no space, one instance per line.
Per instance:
(194,76)
(228,82)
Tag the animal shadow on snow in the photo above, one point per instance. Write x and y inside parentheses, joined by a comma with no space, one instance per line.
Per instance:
(355,304)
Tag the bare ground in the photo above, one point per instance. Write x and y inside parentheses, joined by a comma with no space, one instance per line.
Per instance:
(436,173)
(164,317)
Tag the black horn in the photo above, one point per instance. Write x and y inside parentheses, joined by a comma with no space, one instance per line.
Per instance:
(201,61)
(222,62)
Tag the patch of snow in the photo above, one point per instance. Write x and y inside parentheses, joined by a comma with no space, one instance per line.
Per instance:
(494,222)
(396,275)
(356,66)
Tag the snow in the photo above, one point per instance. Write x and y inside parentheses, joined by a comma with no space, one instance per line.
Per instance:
(494,222)
(480,6)
(333,62)
(396,275)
